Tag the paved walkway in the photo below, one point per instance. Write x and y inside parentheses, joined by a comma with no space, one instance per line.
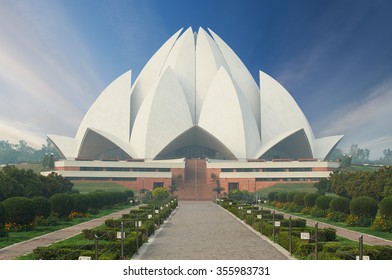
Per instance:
(346,233)
(25,247)
(201,230)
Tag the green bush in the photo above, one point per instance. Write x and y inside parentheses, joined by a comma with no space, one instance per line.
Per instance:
(61,204)
(382,224)
(2,214)
(19,210)
(364,206)
(317,212)
(340,204)
(299,198)
(80,203)
(310,199)
(282,197)
(271,196)
(336,216)
(295,223)
(290,196)
(358,221)
(41,206)
(322,202)
(386,207)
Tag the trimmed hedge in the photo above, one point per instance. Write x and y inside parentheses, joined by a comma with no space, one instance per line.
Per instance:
(322,202)
(364,206)
(386,207)
(299,198)
(19,210)
(340,204)
(41,206)
(61,204)
(310,199)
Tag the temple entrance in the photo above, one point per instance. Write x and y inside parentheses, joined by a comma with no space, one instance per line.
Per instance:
(195,183)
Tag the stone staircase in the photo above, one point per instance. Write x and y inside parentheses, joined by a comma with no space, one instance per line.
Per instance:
(195,184)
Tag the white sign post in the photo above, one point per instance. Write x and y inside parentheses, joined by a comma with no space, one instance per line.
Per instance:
(305,235)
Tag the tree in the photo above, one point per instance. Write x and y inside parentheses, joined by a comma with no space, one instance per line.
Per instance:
(323,186)
(387,159)
(218,188)
(172,189)
(160,194)
(359,155)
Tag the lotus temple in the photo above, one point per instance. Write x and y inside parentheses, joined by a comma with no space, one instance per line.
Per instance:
(195,116)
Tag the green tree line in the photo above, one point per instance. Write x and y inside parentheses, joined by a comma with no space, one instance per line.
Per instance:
(23,153)
(25,183)
(352,184)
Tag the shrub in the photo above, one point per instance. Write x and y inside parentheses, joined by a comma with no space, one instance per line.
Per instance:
(310,199)
(19,210)
(61,204)
(299,198)
(317,212)
(80,203)
(382,224)
(290,196)
(336,216)
(386,207)
(2,214)
(364,206)
(41,206)
(340,204)
(282,197)
(322,202)
(360,221)
(271,196)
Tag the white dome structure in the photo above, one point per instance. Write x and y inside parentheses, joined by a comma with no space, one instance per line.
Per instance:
(194,98)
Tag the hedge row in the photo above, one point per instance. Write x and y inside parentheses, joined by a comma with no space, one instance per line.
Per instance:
(328,247)
(109,246)
(360,211)
(22,212)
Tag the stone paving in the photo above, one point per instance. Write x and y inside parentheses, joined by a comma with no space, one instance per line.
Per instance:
(201,230)
(25,247)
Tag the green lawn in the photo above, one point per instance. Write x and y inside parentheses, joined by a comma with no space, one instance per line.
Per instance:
(85,187)
(302,187)
(364,168)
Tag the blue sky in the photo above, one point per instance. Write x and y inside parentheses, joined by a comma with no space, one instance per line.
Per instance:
(334,57)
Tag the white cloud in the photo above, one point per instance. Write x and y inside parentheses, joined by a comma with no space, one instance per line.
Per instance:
(47,76)
(364,122)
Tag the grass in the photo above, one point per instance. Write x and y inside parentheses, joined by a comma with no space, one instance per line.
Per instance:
(36,167)
(16,237)
(295,187)
(354,167)
(86,187)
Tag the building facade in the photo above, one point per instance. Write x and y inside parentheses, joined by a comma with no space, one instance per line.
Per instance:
(195,104)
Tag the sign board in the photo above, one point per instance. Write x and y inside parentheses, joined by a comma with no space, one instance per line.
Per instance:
(259,217)
(140,223)
(84,258)
(119,235)
(161,208)
(277,224)
(149,216)
(249,211)
(156,211)
(305,235)
(365,258)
